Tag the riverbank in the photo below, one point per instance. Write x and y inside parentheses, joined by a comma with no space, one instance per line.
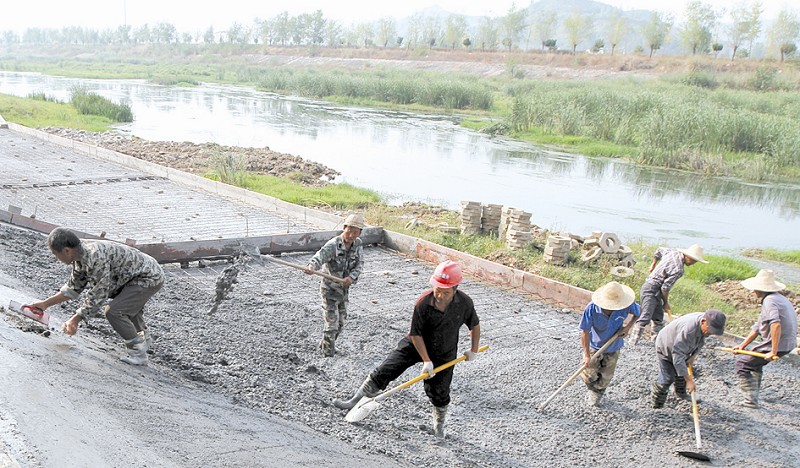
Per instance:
(628,107)
(699,290)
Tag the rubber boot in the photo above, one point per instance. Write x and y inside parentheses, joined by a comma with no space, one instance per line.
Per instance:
(593,397)
(659,395)
(328,344)
(137,352)
(655,329)
(749,386)
(680,391)
(148,339)
(636,333)
(368,389)
(439,413)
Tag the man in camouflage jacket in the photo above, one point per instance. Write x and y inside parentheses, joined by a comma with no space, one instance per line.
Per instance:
(343,257)
(107,270)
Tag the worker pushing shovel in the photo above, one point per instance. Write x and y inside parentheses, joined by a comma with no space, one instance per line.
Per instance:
(433,340)
(341,257)
(602,329)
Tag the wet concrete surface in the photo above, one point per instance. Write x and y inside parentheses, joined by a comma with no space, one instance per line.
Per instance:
(258,354)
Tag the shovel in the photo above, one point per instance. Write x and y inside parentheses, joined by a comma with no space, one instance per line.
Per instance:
(366,405)
(697,442)
(578,372)
(253,252)
(31,312)
(744,351)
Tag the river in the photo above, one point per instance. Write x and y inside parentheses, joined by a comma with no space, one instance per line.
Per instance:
(408,156)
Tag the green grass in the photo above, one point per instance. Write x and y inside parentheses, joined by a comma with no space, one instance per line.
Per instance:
(88,103)
(784,256)
(37,113)
(338,196)
(718,269)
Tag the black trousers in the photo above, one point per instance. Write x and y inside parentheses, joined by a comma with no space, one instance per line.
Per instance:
(404,356)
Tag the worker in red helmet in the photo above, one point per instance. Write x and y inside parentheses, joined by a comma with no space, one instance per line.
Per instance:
(438,316)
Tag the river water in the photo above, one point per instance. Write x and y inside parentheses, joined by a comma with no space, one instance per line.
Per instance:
(430,158)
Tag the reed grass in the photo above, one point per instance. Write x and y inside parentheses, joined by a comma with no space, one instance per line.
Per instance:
(88,103)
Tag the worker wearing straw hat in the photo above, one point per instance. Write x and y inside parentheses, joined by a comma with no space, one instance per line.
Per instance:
(666,269)
(777,326)
(611,304)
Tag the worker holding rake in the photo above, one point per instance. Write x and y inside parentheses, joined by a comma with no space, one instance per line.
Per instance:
(343,257)
(777,326)
(666,269)
(433,340)
(611,305)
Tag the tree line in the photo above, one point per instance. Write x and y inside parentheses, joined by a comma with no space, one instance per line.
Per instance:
(702,30)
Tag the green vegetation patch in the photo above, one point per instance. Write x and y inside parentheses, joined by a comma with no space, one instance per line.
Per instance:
(93,104)
(785,256)
(44,113)
(718,269)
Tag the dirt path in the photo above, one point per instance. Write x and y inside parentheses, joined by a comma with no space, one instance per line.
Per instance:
(258,352)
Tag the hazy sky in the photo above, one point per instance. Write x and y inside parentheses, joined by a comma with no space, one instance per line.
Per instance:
(190,16)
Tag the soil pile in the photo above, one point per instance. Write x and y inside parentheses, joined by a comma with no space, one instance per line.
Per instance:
(199,158)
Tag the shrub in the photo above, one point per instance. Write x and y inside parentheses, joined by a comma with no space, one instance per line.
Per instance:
(93,104)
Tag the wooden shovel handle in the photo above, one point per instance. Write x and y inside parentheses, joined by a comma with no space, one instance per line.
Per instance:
(578,372)
(424,375)
(696,415)
(301,267)
(744,351)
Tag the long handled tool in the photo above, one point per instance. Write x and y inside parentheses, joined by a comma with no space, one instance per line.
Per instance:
(749,353)
(697,442)
(366,405)
(253,252)
(578,372)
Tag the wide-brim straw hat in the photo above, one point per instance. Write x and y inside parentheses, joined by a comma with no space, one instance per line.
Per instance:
(695,252)
(613,296)
(764,281)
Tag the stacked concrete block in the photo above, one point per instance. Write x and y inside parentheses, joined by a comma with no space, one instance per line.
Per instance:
(518,232)
(599,242)
(470,217)
(557,249)
(490,218)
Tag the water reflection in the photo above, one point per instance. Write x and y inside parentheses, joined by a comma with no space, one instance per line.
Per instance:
(413,157)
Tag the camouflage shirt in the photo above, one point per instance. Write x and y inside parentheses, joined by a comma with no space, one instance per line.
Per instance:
(335,260)
(105,267)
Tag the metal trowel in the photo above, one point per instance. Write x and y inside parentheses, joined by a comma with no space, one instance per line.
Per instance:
(31,312)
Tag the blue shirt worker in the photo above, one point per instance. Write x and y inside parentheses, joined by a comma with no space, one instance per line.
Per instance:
(665,271)
(777,327)
(439,314)
(343,257)
(602,319)
(677,347)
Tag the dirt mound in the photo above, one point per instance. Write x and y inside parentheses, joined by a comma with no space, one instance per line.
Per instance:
(742,299)
(199,158)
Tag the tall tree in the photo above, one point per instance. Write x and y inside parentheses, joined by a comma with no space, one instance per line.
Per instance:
(545,25)
(333,33)
(208,36)
(738,28)
(387,31)
(431,30)
(365,34)
(487,33)
(578,27)
(754,21)
(617,29)
(656,29)
(696,32)
(784,32)
(512,25)
(281,27)
(316,27)
(455,30)
(414,30)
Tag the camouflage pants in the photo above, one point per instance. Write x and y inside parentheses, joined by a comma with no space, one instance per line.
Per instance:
(334,311)
(599,372)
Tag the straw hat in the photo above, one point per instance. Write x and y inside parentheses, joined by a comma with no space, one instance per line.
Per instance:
(613,296)
(355,220)
(695,252)
(763,281)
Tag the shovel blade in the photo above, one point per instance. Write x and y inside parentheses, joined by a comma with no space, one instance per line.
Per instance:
(363,408)
(695,456)
(41,317)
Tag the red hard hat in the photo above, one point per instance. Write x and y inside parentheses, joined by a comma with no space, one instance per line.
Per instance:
(446,275)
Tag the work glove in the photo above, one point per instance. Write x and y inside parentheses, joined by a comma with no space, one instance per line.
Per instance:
(470,355)
(427,366)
